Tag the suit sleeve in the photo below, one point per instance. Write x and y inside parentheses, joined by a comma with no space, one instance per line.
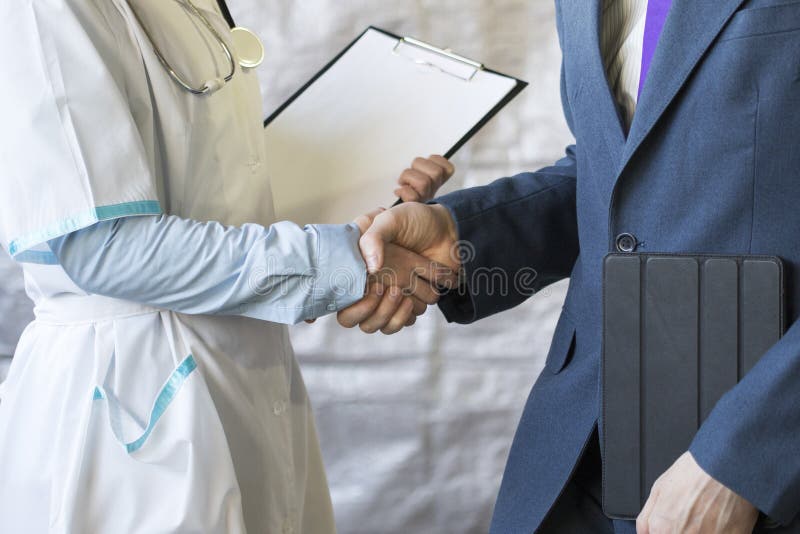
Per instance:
(517,235)
(751,440)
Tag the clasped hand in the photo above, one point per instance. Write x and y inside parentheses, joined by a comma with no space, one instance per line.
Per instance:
(410,254)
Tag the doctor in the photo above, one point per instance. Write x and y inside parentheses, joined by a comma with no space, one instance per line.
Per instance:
(156,391)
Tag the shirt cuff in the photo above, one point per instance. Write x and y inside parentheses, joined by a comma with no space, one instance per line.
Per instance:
(341,277)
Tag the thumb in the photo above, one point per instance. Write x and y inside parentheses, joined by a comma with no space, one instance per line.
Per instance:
(383,230)
(364,221)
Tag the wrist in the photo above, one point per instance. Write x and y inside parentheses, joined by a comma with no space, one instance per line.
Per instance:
(445,221)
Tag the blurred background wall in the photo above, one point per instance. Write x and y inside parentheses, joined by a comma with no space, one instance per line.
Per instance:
(416,427)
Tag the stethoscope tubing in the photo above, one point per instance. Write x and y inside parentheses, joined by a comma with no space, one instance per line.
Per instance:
(211,85)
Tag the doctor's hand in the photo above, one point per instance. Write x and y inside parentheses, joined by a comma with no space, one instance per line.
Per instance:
(387,246)
(398,291)
(427,229)
(420,182)
(686,499)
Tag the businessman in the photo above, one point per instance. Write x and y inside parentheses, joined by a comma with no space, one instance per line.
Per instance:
(686,116)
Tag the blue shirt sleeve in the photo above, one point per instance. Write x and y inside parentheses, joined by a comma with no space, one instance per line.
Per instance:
(282,273)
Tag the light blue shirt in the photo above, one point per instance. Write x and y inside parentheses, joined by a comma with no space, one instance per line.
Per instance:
(283,273)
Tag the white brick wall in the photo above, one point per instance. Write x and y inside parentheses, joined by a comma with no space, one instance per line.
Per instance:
(416,427)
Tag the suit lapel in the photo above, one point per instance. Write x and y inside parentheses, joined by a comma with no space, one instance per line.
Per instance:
(689,31)
(590,95)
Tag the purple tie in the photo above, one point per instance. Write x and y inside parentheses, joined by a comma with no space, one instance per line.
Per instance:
(656,15)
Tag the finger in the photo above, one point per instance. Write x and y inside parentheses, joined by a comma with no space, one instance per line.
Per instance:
(422,290)
(414,271)
(361,310)
(411,320)
(364,221)
(407,194)
(420,307)
(404,312)
(449,168)
(401,275)
(641,524)
(440,276)
(643,520)
(384,229)
(388,306)
(421,182)
(428,167)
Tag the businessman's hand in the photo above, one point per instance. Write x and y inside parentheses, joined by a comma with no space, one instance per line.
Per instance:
(426,230)
(686,499)
(398,291)
(420,182)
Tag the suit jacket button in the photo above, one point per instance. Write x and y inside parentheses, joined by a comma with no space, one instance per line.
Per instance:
(626,242)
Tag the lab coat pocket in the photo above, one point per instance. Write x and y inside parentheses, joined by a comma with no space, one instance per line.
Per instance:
(175,474)
(119,419)
(562,346)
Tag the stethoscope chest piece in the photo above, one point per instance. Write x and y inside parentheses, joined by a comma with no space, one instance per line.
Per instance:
(249,48)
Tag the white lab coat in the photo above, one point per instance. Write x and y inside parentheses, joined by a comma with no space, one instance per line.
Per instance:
(16,309)
(116,417)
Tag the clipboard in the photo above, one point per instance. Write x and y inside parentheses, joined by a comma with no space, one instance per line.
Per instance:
(679,330)
(337,146)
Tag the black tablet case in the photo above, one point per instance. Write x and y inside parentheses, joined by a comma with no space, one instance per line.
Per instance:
(678,332)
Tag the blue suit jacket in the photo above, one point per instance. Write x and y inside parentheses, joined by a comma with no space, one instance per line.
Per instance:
(711,164)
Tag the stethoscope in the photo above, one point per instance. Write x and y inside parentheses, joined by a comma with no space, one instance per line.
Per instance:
(248,46)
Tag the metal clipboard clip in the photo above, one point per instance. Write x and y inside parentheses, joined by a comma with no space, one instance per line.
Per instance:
(443,60)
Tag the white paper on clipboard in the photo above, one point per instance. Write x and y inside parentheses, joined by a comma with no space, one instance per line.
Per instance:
(337,149)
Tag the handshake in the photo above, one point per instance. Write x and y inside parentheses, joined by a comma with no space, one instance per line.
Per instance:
(411,253)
